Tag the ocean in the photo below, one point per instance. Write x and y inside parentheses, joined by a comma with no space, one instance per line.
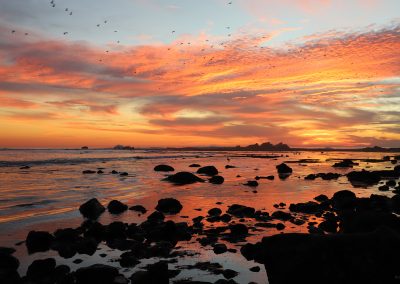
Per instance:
(47,195)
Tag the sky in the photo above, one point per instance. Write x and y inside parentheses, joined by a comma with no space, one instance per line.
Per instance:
(148,73)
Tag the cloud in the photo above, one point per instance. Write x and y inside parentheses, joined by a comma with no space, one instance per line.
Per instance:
(314,91)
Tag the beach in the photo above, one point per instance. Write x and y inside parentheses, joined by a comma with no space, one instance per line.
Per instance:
(42,190)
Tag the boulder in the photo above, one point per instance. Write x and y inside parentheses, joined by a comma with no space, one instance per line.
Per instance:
(284,169)
(164,168)
(116,207)
(220,248)
(216,180)
(194,166)
(363,178)
(214,212)
(92,209)
(241,211)
(41,269)
(252,183)
(346,163)
(208,170)
(309,207)
(97,273)
(344,199)
(237,230)
(138,208)
(182,178)
(367,258)
(321,198)
(169,205)
(38,241)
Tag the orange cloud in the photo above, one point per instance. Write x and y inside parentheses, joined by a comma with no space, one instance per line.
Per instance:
(205,90)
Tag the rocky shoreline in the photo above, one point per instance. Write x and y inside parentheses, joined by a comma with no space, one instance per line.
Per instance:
(350,240)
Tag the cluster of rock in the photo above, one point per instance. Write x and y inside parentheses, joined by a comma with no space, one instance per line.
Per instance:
(363,245)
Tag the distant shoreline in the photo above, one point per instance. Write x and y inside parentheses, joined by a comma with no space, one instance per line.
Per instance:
(221,149)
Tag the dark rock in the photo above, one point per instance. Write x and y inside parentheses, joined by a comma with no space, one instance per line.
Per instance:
(280,215)
(123,174)
(116,207)
(229,167)
(156,215)
(6,250)
(214,212)
(88,172)
(346,163)
(100,172)
(309,207)
(194,166)
(138,208)
(92,209)
(383,188)
(156,273)
(324,176)
(363,178)
(241,211)
(208,170)
(37,241)
(164,168)
(252,183)
(128,259)
(216,180)
(181,178)
(391,183)
(238,230)
(41,269)
(114,172)
(344,199)
(226,218)
(255,269)
(97,273)
(284,169)
(329,226)
(280,226)
(25,168)
(169,205)
(229,273)
(321,198)
(219,248)
(338,258)
(367,221)
(8,264)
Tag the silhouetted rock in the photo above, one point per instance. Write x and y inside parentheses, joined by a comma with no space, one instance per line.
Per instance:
(363,178)
(252,183)
(169,205)
(344,199)
(346,163)
(8,267)
(284,169)
(92,209)
(156,273)
(216,180)
(220,248)
(116,207)
(97,273)
(41,270)
(25,168)
(339,258)
(181,178)
(128,259)
(229,167)
(309,207)
(241,211)
(194,166)
(138,208)
(214,212)
(237,230)
(37,241)
(321,198)
(164,168)
(122,147)
(208,170)
(324,176)
(280,215)
(88,172)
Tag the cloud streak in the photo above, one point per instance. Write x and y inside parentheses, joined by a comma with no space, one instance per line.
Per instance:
(314,92)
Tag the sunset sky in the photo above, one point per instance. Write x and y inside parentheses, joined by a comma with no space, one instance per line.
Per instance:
(197,73)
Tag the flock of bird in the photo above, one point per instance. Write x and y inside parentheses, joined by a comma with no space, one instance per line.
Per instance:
(70,13)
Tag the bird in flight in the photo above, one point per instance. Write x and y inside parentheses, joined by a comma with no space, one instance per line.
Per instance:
(13,31)
(65,33)
(230,3)
(98,25)
(70,13)
(173,31)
